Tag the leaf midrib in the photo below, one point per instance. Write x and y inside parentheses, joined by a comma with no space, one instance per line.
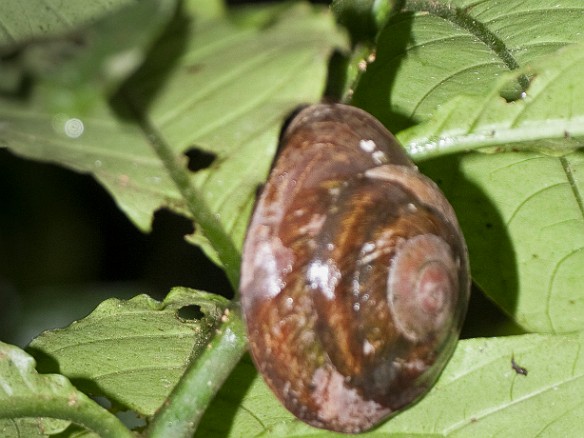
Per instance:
(464,20)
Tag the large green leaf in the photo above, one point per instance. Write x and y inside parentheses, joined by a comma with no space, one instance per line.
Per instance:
(132,352)
(434,50)
(548,117)
(524,224)
(32,19)
(79,67)
(478,394)
(25,394)
(221,85)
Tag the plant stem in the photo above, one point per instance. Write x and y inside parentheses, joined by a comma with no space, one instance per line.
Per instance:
(185,407)
(202,214)
(78,409)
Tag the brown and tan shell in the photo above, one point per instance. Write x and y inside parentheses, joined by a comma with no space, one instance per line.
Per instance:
(355,277)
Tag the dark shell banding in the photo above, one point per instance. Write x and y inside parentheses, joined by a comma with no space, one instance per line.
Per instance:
(355,277)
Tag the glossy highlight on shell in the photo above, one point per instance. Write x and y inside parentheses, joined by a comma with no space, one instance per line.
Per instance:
(355,277)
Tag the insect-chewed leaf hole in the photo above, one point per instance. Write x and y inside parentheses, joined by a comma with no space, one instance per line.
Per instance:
(199,159)
(190,312)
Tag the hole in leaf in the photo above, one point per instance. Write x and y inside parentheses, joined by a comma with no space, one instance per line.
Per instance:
(199,159)
(190,312)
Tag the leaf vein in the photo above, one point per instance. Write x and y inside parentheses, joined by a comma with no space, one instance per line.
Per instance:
(530,197)
(551,282)
(542,390)
(573,184)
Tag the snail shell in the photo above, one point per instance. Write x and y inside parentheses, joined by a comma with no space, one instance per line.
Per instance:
(355,276)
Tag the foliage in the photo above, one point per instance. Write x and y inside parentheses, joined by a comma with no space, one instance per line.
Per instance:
(486,96)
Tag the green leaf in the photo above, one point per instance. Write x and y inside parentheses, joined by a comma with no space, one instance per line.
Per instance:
(240,82)
(247,402)
(435,50)
(549,117)
(478,394)
(31,427)
(25,393)
(32,19)
(132,352)
(80,68)
(523,216)
(362,18)
(222,86)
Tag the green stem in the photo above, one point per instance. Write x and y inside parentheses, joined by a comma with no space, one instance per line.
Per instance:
(200,210)
(78,409)
(202,214)
(182,412)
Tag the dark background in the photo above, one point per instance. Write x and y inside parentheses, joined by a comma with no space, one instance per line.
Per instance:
(65,247)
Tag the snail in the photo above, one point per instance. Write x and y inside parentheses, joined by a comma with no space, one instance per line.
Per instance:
(355,277)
